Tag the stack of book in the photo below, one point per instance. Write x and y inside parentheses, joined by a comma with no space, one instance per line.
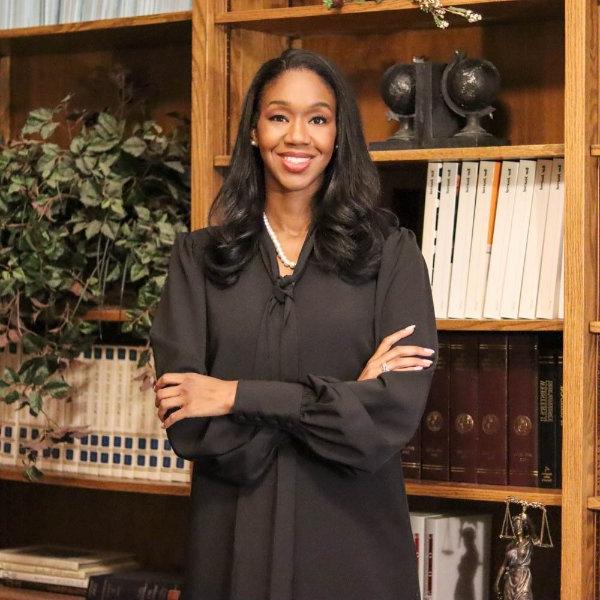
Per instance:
(59,568)
(492,238)
(34,13)
(494,413)
(453,555)
(125,438)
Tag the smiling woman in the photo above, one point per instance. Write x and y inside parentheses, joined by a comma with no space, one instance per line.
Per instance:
(281,355)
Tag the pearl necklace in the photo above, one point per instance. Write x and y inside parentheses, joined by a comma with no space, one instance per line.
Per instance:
(284,259)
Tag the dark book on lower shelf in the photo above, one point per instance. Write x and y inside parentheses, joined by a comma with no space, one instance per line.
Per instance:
(463,407)
(492,405)
(548,411)
(138,585)
(522,409)
(435,423)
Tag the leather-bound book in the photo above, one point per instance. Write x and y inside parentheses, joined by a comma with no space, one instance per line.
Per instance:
(522,409)
(411,456)
(463,407)
(435,426)
(493,394)
(548,410)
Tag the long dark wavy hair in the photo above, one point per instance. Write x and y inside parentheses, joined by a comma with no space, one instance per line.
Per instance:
(350,227)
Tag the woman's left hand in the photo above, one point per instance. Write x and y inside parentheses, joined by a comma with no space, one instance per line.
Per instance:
(194,395)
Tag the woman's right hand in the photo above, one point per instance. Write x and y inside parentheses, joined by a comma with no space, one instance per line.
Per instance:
(397,358)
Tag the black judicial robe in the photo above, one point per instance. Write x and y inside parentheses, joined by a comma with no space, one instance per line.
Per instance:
(298,494)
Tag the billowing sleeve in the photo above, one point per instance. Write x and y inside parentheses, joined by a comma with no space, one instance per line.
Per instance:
(219,446)
(360,424)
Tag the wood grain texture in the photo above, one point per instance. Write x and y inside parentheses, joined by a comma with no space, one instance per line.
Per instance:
(499,325)
(5,116)
(530,151)
(581,283)
(392,15)
(98,25)
(209,105)
(8,593)
(485,493)
(93,483)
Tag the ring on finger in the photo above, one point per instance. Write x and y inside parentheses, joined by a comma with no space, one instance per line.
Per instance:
(384,367)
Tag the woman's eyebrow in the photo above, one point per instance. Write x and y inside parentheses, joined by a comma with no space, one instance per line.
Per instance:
(314,105)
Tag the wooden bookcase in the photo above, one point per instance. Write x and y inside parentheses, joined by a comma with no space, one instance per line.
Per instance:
(202,63)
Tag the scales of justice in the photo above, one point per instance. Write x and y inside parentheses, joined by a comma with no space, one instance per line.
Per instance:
(514,579)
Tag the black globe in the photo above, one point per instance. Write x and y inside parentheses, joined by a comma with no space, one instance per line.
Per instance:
(473,83)
(398,89)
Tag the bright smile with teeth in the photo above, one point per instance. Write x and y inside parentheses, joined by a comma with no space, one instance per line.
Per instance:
(296,160)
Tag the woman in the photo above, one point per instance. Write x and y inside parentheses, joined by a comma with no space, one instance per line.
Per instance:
(278,373)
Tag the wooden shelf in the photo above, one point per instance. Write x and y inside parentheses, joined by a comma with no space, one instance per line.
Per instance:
(433,489)
(429,154)
(391,15)
(125,31)
(482,493)
(499,325)
(595,327)
(94,483)
(594,503)
(106,313)
(141,21)
(595,150)
(8,593)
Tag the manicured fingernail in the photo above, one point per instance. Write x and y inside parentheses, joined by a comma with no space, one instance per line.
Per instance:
(429,351)
(418,368)
(409,328)
(429,362)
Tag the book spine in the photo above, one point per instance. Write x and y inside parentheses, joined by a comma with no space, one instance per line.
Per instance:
(517,245)
(559,429)
(462,241)
(432,195)
(42,587)
(522,409)
(481,244)
(410,456)
(547,306)
(444,239)
(500,241)
(463,407)
(535,240)
(492,436)
(434,425)
(547,413)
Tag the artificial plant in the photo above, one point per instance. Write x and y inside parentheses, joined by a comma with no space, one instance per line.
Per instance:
(83,223)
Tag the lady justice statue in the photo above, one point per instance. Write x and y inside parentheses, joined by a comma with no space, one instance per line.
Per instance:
(514,577)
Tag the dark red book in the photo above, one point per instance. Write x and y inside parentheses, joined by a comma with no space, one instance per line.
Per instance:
(493,395)
(522,409)
(434,425)
(463,407)
(411,456)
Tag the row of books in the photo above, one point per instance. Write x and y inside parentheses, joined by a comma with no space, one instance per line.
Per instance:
(33,13)
(453,555)
(494,413)
(492,238)
(125,438)
(95,574)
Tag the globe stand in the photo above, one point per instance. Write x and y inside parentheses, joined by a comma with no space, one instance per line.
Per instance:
(468,87)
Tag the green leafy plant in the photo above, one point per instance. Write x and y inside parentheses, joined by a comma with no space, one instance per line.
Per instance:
(83,224)
(433,7)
